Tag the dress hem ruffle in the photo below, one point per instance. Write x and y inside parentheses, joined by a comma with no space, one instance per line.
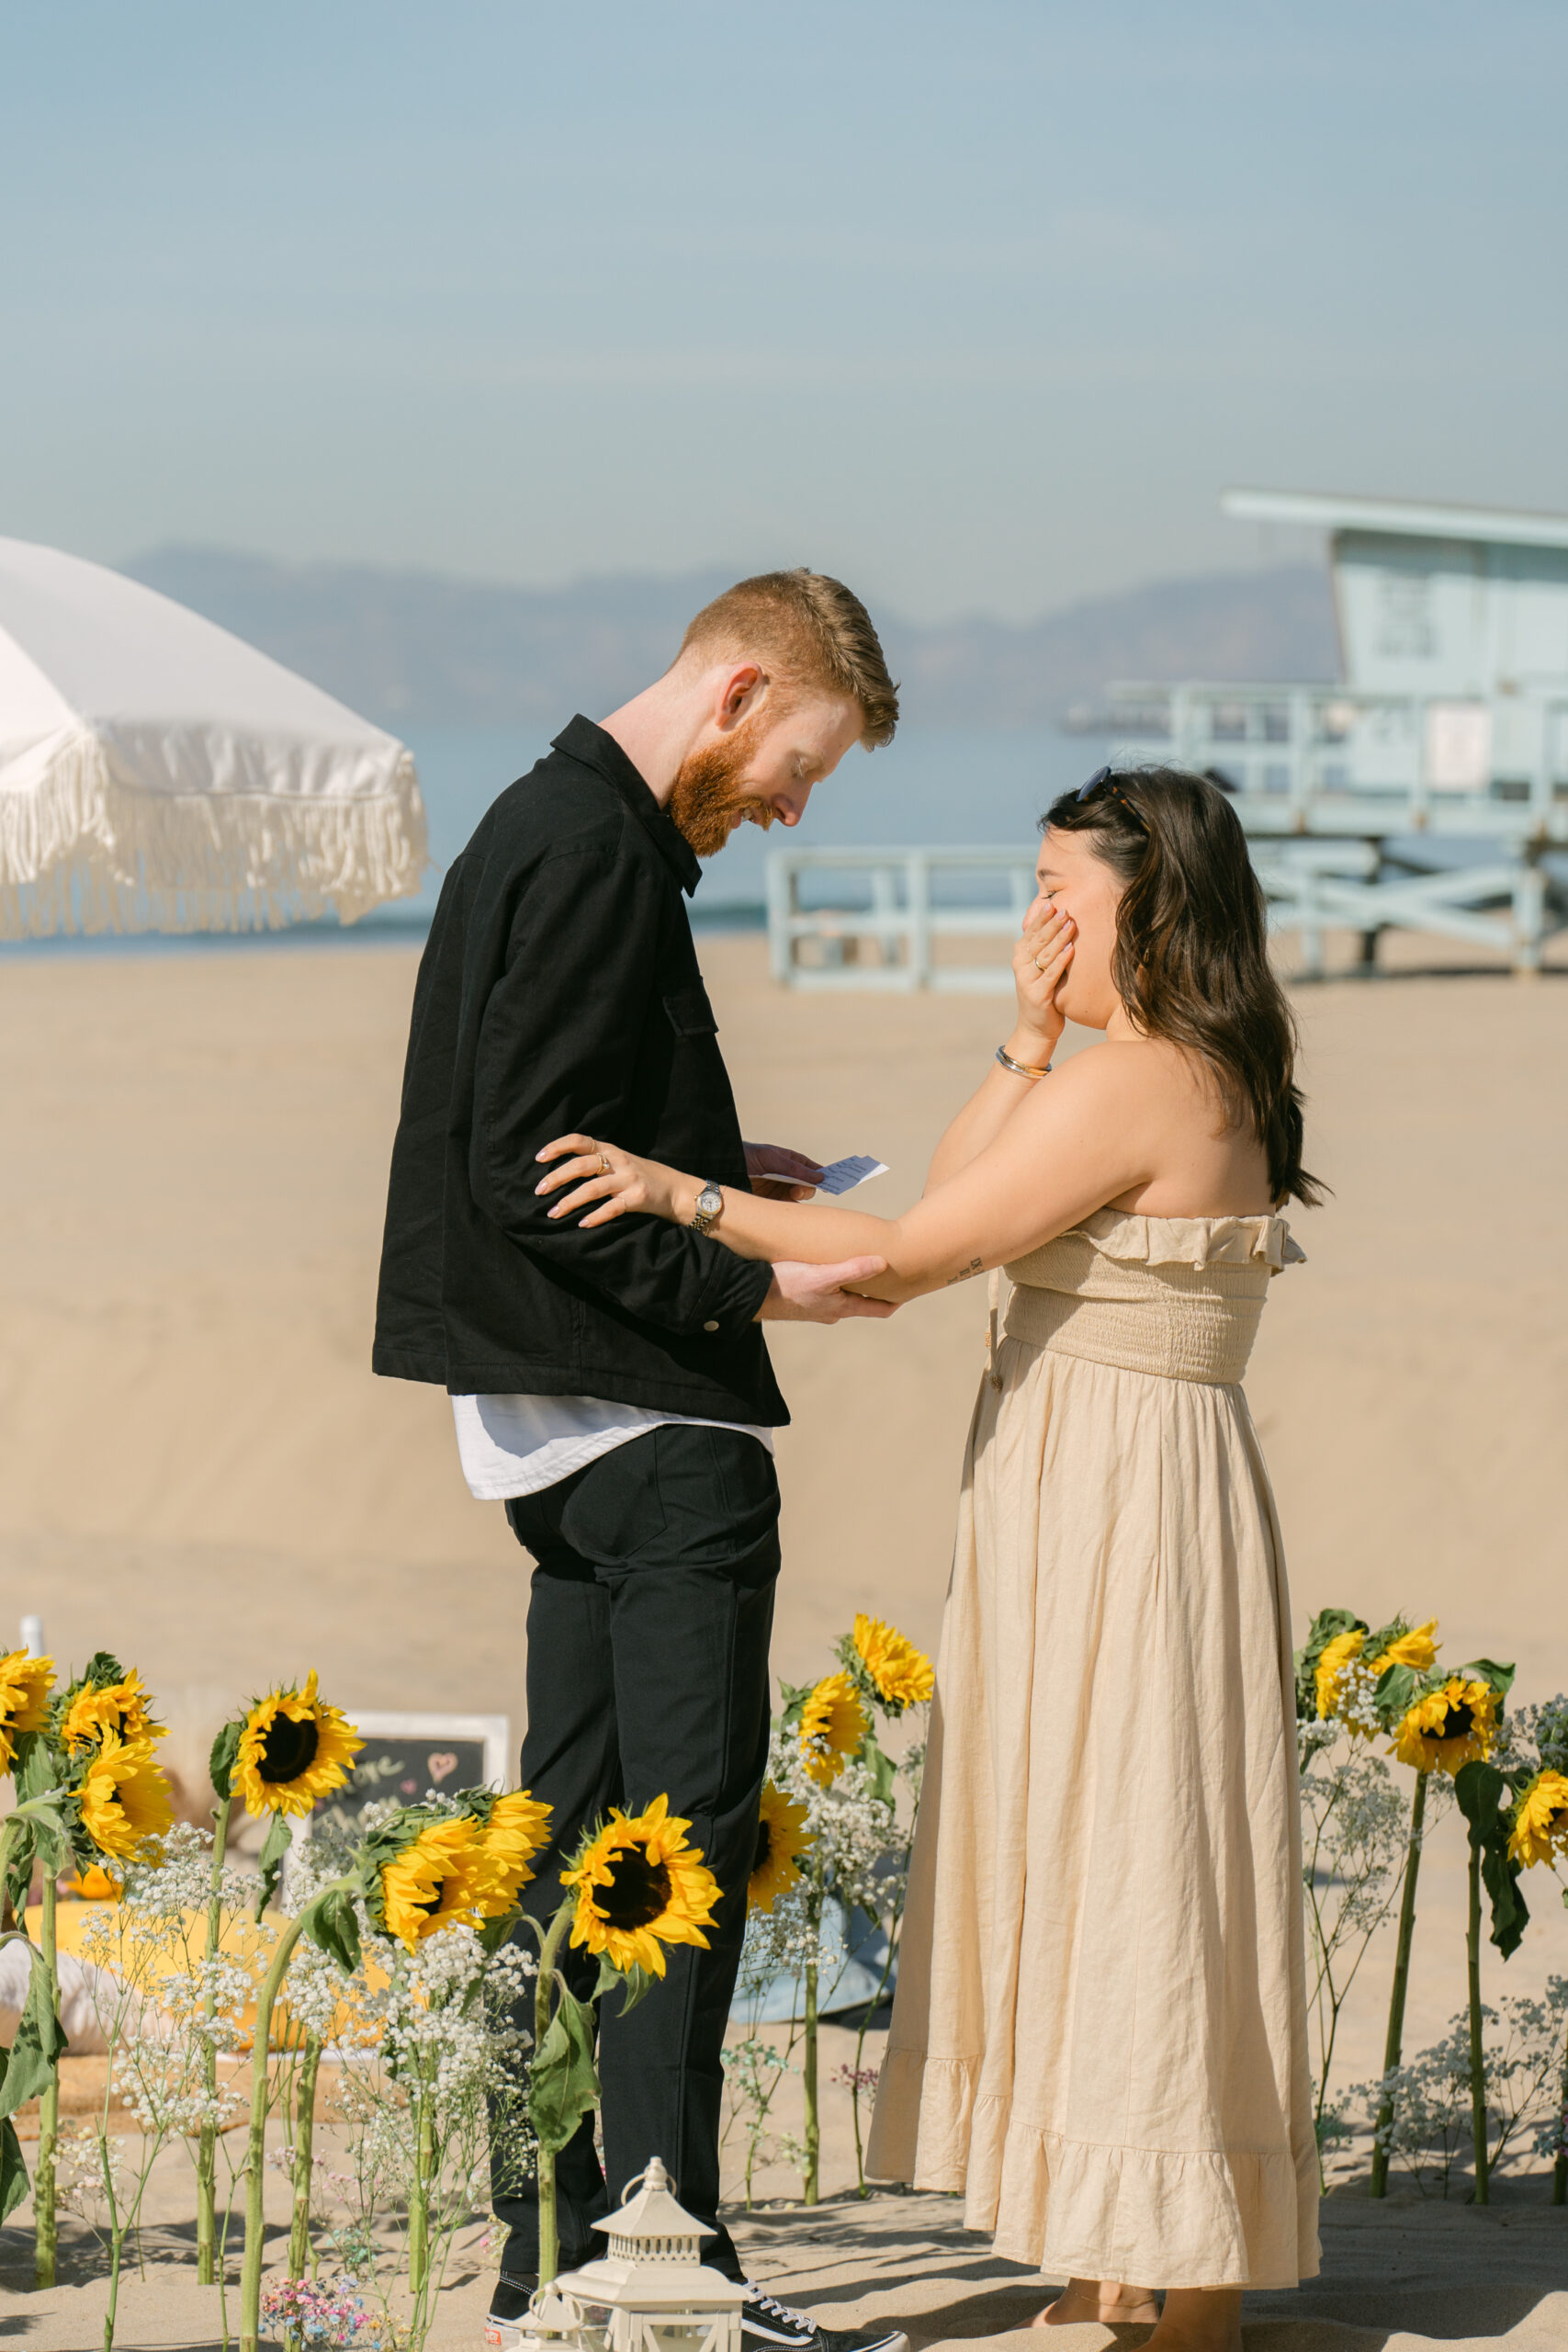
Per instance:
(1148,2217)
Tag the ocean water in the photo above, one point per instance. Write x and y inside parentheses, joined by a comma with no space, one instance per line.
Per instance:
(936,787)
(929,785)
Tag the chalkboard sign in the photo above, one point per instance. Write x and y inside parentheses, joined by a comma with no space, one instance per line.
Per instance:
(406,1757)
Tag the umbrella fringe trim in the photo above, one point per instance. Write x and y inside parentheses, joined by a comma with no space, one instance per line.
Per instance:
(78,852)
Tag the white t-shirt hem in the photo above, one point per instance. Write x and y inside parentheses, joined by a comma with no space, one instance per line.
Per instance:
(511,1446)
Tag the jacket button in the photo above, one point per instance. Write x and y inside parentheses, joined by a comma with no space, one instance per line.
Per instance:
(710,1327)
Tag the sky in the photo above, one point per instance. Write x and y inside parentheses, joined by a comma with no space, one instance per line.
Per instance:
(978,305)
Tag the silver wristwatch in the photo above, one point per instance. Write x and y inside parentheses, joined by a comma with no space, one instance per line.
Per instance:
(710,1200)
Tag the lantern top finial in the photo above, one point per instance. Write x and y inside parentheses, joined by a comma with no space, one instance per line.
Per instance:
(649,2225)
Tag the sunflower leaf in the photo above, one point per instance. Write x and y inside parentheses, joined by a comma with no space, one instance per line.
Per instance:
(794,1696)
(1398,1688)
(49,1827)
(13,2170)
(19,1869)
(636,1983)
(333,1928)
(1480,1789)
(39,2046)
(880,1768)
(224,1757)
(51,1841)
(274,1854)
(1487,1670)
(498,1931)
(565,2084)
(35,1767)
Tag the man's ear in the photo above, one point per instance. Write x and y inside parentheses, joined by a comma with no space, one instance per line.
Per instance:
(739,693)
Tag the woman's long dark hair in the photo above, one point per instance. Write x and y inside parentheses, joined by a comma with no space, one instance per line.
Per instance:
(1192,959)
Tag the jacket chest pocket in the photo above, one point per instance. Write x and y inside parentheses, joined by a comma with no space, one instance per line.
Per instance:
(689,1013)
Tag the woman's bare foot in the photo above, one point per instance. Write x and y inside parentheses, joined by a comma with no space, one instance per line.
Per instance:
(1101,2300)
(1199,2319)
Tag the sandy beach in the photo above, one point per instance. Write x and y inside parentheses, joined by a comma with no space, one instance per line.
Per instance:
(198,1469)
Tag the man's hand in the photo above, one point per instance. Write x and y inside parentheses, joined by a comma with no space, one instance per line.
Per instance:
(801,1293)
(780,1174)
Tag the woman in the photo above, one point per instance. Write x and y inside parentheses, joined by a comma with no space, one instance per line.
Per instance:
(1100,2033)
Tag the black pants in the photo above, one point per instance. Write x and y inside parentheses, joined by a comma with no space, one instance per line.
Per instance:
(649,1624)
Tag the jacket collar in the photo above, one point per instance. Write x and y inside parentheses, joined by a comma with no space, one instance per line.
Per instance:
(580,739)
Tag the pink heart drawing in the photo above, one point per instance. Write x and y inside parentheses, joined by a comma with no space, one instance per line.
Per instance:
(440,1766)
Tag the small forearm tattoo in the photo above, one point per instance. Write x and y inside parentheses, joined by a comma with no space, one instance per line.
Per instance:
(967,1274)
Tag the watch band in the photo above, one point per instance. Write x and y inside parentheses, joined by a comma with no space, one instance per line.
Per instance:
(710,1201)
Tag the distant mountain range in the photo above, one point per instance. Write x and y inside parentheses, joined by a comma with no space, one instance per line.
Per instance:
(412,648)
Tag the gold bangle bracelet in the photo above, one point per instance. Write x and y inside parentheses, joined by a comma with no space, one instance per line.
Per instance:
(1021,1070)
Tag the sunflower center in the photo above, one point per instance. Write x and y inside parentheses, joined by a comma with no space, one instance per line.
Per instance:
(638,1893)
(289,1747)
(764,1852)
(1459,1721)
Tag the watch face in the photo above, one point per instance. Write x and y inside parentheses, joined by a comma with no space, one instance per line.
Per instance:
(710,1200)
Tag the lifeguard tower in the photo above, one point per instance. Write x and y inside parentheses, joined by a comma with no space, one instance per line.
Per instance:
(1426,788)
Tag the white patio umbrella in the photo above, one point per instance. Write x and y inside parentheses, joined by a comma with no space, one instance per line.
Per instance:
(158,774)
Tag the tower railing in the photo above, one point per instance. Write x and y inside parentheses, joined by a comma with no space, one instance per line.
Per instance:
(1345,797)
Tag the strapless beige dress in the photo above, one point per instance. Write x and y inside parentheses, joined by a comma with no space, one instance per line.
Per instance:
(1100,2034)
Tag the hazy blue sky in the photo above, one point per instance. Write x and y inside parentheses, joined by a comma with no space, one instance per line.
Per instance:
(978,304)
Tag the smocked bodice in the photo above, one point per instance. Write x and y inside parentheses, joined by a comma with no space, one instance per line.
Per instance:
(1176,1296)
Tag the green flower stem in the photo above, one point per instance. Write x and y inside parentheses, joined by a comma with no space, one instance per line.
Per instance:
(8,1835)
(1560,2168)
(117,2233)
(304,2147)
(549,2234)
(256,2143)
(1477,2055)
(875,2003)
(811,2186)
(207,2146)
(44,2219)
(1394,2044)
(419,2204)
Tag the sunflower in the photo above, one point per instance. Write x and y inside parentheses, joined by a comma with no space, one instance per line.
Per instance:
(294,1749)
(774,1869)
(24,1686)
(641,1886)
(440,1879)
(1541,1820)
(1450,1726)
(1415,1649)
(904,1676)
(124,1707)
(125,1798)
(1336,1655)
(832,1726)
(512,1832)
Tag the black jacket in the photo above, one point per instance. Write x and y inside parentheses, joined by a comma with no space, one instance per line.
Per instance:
(559,991)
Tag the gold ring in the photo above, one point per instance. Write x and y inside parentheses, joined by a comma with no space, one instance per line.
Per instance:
(605,1167)
(1038,965)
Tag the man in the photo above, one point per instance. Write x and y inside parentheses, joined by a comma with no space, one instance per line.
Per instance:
(611,1385)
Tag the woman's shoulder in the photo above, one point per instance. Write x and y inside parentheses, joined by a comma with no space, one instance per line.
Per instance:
(1127,1066)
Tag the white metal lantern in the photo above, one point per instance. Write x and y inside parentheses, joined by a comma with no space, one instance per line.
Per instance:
(651,2285)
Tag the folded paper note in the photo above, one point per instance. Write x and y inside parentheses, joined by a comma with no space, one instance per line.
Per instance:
(843,1175)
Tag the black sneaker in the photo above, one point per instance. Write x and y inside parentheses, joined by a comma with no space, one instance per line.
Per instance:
(766,2322)
(513,2293)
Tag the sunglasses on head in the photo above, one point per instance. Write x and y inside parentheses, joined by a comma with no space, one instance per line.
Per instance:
(1100,775)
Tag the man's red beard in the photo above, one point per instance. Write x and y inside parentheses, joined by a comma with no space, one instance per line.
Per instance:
(704,799)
